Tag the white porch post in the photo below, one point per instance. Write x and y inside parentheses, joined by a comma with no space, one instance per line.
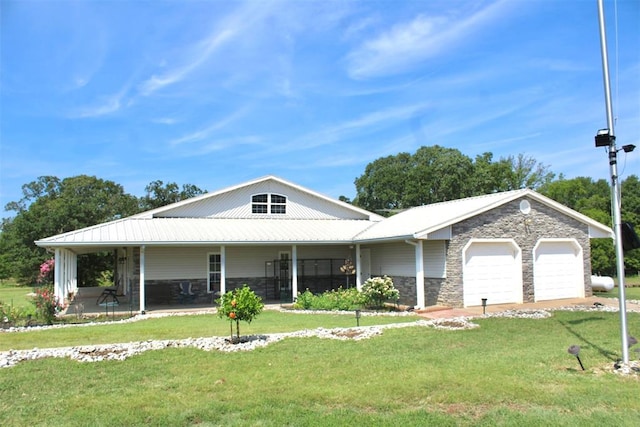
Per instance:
(294,272)
(223,270)
(58,286)
(358,267)
(420,275)
(142,290)
(420,301)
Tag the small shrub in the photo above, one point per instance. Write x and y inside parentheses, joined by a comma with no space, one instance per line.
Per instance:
(239,304)
(338,299)
(378,290)
(47,305)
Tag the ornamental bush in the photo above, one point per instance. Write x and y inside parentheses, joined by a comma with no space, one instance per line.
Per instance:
(239,304)
(47,304)
(378,290)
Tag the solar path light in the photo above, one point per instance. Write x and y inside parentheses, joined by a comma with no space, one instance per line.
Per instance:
(575,350)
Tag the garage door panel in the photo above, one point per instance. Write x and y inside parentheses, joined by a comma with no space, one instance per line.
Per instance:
(558,270)
(492,270)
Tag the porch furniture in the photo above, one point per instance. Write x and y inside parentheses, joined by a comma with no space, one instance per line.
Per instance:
(109,295)
(186,294)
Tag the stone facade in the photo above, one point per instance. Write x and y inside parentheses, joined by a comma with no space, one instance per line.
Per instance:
(508,222)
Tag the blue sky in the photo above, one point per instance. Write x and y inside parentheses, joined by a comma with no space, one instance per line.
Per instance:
(214,93)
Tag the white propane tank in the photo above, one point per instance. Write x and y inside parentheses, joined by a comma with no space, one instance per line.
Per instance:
(601,283)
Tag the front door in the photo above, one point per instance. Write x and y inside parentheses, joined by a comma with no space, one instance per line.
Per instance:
(365,265)
(284,273)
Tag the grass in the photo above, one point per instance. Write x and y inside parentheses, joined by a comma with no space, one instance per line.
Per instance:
(507,372)
(631,291)
(17,296)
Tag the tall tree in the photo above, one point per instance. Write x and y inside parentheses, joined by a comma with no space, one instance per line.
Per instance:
(51,206)
(161,194)
(435,174)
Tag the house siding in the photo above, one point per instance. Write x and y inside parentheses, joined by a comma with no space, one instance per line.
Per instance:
(237,204)
(507,222)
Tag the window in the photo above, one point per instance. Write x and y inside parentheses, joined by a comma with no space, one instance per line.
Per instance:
(268,204)
(215,272)
(278,204)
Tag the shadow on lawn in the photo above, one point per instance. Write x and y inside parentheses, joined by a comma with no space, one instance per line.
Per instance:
(603,351)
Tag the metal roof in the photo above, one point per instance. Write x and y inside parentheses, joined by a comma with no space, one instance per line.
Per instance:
(418,222)
(193,231)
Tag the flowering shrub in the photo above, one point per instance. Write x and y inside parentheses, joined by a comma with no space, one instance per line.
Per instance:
(47,305)
(377,290)
(46,271)
(239,304)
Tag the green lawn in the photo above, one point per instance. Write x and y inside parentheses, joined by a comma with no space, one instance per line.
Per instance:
(11,294)
(507,372)
(631,291)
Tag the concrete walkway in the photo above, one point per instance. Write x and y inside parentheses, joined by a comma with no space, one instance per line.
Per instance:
(438,312)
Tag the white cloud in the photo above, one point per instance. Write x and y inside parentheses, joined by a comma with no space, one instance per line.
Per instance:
(410,43)
(210,129)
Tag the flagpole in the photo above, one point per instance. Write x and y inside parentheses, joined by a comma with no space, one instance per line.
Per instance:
(615,188)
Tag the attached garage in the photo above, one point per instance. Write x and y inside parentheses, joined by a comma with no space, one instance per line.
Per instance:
(558,270)
(492,269)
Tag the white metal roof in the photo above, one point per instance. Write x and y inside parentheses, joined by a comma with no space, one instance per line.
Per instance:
(415,223)
(193,231)
(419,222)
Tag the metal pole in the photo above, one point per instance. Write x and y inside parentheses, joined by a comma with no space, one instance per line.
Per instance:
(615,191)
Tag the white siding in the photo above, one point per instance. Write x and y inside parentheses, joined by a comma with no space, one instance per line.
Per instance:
(393,259)
(249,261)
(435,256)
(177,263)
(237,204)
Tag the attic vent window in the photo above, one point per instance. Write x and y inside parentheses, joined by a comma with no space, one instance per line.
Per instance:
(268,204)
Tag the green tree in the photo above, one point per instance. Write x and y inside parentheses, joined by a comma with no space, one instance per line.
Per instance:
(241,304)
(160,194)
(51,206)
(435,174)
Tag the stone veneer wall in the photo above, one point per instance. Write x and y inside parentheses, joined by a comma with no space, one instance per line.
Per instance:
(507,222)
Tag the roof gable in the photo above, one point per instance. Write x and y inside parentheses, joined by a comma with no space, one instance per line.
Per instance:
(236,202)
(422,221)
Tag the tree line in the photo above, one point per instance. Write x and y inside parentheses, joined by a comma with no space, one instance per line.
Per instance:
(432,174)
(50,206)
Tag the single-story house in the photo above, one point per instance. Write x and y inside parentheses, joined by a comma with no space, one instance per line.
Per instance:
(280,239)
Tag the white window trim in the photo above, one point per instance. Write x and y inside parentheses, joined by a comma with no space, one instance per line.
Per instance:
(269,204)
(209,291)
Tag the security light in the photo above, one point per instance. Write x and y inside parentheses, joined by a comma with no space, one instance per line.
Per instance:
(604,138)
(628,148)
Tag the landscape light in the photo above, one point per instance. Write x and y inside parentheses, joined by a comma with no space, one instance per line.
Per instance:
(358,314)
(484,306)
(575,351)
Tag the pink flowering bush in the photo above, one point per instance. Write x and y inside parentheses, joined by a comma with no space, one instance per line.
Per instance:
(46,271)
(47,304)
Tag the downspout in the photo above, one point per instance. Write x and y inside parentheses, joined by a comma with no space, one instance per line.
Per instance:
(419,263)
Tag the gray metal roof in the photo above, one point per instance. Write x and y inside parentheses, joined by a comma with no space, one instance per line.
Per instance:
(190,231)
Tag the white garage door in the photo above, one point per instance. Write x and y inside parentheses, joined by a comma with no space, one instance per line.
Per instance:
(492,270)
(558,270)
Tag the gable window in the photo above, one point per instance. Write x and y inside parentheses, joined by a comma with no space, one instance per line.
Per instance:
(269,204)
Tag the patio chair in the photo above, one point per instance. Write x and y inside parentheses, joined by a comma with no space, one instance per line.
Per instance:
(109,295)
(186,294)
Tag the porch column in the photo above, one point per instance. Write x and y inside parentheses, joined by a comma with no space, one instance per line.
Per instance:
(294,272)
(420,301)
(58,285)
(358,267)
(142,286)
(223,270)
(420,274)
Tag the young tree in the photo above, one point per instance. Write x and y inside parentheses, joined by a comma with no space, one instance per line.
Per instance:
(239,305)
